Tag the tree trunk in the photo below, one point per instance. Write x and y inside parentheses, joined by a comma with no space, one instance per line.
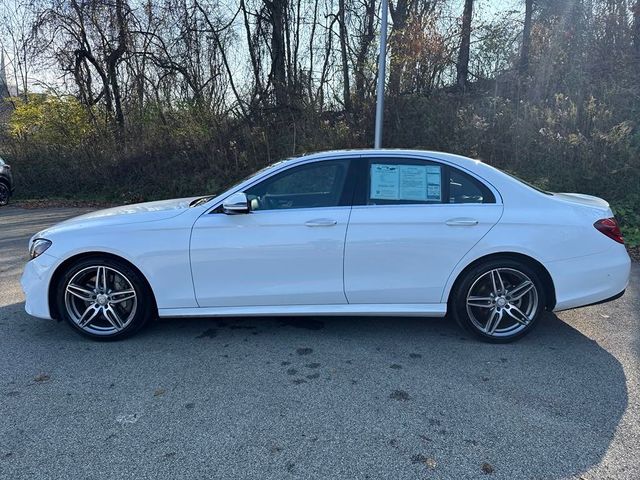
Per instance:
(346,87)
(399,15)
(366,39)
(258,91)
(112,62)
(278,50)
(526,38)
(312,38)
(465,46)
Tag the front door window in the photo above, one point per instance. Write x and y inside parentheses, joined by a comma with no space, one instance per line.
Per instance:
(315,185)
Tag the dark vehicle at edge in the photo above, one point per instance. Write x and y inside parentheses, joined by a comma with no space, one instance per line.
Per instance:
(6,183)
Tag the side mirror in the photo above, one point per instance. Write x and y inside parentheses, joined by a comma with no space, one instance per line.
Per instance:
(236,203)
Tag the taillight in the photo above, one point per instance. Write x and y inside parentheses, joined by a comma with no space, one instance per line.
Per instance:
(609,226)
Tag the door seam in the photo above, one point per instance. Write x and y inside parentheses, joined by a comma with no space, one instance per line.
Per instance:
(344,255)
(455,267)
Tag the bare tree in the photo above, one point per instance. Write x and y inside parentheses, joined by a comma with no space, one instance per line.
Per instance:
(399,15)
(17,19)
(462,78)
(523,65)
(90,39)
(366,36)
(408,17)
(344,55)
(275,11)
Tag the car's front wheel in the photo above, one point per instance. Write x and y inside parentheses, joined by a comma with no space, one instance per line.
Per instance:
(499,300)
(104,298)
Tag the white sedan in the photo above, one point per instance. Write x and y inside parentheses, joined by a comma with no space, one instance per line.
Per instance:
(363,232)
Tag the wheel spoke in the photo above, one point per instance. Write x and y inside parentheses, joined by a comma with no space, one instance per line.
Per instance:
(481,302)
(521,290)
(518,315)
(88,315)
(122,296)
(495,317)
(496,280)
(101,279)
(80,292)
(112,316)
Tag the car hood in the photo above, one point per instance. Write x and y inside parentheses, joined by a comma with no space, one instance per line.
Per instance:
(126,214)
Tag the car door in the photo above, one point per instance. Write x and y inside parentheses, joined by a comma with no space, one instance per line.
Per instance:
(287,251)
(411,223)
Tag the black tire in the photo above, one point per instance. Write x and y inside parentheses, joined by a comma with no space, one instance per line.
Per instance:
(121,315)
(5,193)
(481,279)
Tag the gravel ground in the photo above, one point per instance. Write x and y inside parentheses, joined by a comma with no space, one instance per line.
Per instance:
(314,398)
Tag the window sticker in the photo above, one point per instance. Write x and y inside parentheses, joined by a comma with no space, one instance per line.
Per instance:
(406,182)
(413,182)
(385,182)
(434,180)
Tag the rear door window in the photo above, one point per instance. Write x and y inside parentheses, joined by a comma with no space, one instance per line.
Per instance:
(409,181)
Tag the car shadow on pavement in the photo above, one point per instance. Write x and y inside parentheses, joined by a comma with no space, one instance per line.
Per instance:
(342,397)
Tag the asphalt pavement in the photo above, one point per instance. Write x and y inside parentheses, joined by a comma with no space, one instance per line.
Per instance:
(314,398)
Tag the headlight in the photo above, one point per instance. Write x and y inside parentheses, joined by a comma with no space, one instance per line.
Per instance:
(38,247)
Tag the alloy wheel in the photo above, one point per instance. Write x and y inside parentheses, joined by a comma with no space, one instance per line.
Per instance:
(502,302)
(100,300)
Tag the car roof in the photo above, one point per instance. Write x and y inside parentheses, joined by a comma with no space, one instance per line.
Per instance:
(459,160)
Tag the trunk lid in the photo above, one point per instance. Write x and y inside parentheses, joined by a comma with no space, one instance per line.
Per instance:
(585,200)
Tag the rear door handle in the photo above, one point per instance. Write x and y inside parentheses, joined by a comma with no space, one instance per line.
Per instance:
(462,222)
(321,222)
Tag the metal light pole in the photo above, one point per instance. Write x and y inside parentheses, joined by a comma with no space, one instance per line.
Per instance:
(382,64)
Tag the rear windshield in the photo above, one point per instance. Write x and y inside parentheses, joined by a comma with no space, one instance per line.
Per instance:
(527,183)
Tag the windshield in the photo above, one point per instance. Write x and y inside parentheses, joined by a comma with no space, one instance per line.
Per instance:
(207,198)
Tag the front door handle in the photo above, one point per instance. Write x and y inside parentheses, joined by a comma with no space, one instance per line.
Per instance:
(321,222)
(462,222)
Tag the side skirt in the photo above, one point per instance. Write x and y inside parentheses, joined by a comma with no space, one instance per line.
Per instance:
(398,310)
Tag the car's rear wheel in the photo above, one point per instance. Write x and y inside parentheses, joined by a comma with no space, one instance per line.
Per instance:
(104,298)
(499,301)
(5,193)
